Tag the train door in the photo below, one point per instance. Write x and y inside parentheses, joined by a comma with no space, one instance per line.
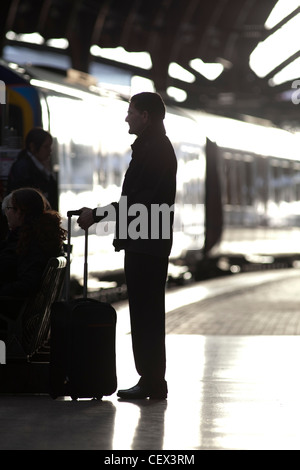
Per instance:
(189,222)
(213,197)
(18,114)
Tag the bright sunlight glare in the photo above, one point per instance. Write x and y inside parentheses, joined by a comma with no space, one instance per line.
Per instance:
(281,10)
(274,50)
(176,71)
(137,59)
(280,45)
(179,95)
(209,71)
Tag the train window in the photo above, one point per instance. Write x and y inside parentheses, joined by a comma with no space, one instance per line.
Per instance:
(248,183)
(11,125)
(287,184)
(191,170)
(15,119)
(82,165)
(228,197)
(192,192)
(103,170)
(296,182)
(281,181)
(238,181)
(233,182)
(261,188)
(276,183)
(116,169)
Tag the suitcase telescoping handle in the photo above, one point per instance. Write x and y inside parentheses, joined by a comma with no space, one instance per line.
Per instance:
(70,214)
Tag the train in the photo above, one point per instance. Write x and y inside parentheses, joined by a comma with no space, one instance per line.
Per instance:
(238,182)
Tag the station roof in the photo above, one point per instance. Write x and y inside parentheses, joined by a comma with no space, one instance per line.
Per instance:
(172,32)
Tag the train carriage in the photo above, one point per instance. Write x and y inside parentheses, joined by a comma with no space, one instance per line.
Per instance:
(256,172)
(238,184)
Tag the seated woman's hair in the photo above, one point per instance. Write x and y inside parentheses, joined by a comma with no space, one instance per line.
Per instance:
(40,224)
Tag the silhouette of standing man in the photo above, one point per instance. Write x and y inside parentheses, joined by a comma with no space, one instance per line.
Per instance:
(150,182)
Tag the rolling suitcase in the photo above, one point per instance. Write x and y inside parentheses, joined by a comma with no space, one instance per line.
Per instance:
(82,342)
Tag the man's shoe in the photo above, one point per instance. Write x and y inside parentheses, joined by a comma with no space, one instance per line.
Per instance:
(134,393)
(138,392)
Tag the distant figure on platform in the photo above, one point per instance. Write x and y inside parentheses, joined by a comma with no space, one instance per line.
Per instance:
(32,168)
(149,183)
(35,235)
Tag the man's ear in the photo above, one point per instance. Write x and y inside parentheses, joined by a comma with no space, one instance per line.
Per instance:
(146,117)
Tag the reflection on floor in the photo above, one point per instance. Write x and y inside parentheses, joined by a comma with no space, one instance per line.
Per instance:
(225,392)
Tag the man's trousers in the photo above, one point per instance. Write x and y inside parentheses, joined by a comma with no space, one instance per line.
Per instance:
(146,281)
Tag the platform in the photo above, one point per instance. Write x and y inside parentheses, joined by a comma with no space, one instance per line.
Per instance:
(233,349)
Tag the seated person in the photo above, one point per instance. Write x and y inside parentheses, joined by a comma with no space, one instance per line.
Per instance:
(35,235)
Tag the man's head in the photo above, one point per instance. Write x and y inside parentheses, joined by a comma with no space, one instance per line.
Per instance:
(144,109)
(39,143)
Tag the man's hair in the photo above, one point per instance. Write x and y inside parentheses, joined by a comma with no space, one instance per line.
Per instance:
(150,102)
(37,136)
